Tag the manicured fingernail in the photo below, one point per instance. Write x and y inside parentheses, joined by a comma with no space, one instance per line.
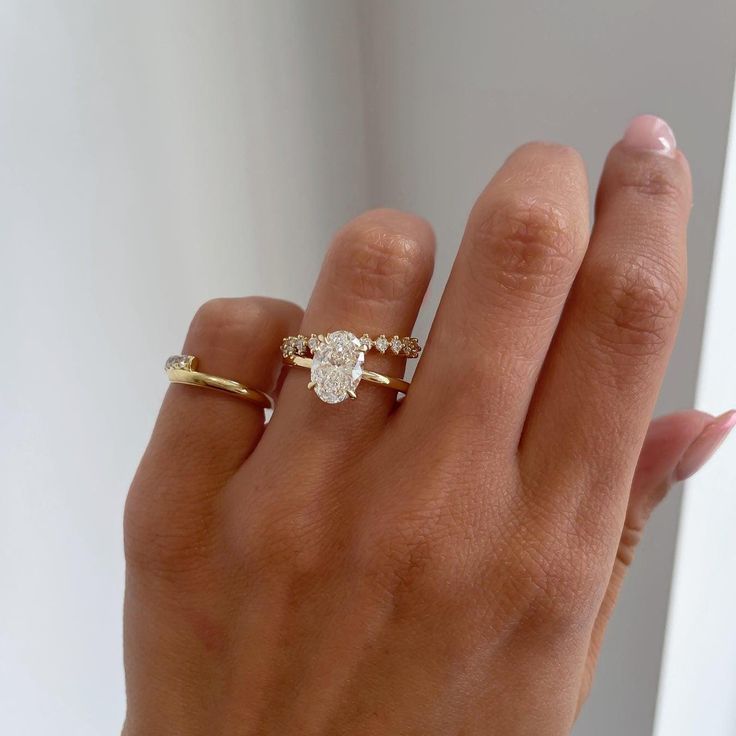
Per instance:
(705,444)
(650,133)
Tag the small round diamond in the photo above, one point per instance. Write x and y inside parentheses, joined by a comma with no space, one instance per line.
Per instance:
(410,347)
(287,347)
(313,342)
(365,342)
(179,362)
(396,344)
(381,343)
(300,345)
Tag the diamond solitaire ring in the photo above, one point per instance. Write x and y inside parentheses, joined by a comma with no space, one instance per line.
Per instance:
(183,369)
(337,360)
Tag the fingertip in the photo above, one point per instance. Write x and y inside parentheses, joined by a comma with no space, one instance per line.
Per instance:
(666,443)
(678,428)
(638,179)
(650,133)
(705,445)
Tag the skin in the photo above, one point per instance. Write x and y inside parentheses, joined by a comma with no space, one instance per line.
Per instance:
(442,565)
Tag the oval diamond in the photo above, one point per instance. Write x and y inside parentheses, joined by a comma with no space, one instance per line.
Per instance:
(337,366)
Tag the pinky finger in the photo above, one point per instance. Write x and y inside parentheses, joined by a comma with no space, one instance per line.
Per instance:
(202,437)
(676,447)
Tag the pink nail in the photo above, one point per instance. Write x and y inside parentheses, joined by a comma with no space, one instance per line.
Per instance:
(705,444)
(650,133)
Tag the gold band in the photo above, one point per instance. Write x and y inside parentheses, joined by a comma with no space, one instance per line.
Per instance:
(397,384)
(182,369)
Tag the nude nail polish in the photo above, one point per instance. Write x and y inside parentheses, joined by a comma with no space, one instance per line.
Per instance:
(705,444)
(650,133)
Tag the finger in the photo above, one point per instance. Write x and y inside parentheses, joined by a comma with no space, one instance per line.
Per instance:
(676,447)
(372,281)
(598,386)
(202,436)
(524,241)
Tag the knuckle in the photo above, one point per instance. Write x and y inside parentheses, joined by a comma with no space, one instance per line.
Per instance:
(659,180)
(549,568)
(288,541)
(640,300)
(526,245)
(408,561)
(396,565)
(630,538)
(380,258)
(554,583)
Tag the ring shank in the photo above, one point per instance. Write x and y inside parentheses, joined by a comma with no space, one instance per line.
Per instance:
(397,384)
(195,378)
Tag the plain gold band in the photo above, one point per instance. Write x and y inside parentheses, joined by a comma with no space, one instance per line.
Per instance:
(192,377)
(397,384)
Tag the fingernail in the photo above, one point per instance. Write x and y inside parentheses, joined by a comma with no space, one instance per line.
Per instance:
(705,444)
(650,133)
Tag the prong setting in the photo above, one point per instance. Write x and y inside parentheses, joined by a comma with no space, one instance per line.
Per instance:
(337,359)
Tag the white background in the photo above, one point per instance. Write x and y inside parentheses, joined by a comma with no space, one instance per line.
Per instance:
(156,154)
(698,681)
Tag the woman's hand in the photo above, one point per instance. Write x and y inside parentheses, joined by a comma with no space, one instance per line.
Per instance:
(446,564)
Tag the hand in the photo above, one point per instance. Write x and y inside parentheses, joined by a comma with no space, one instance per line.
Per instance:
(445,564)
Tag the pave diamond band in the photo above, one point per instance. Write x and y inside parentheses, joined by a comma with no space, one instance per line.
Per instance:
(406,347)
(336,366)
(183,369)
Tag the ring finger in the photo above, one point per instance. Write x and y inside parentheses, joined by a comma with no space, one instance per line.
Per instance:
(372,281)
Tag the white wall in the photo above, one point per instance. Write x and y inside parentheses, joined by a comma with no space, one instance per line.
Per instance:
(698,686)
(153,155)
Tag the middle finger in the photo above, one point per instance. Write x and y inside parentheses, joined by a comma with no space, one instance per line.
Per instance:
(525,239)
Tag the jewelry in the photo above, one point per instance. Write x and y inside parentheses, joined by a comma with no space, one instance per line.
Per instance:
(407,347)
(183,369)
(336,365)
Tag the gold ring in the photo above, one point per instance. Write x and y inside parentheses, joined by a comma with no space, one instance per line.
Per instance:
(183,369)
(336,365)
(406,347)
